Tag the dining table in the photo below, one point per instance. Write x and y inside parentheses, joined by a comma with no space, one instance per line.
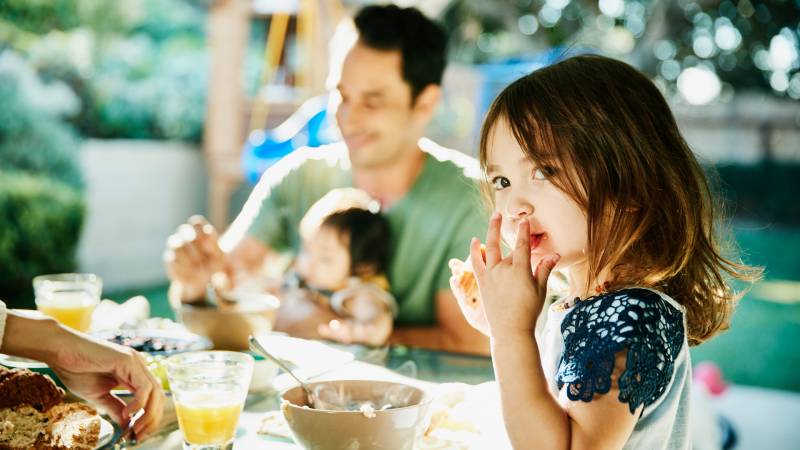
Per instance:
(427,369)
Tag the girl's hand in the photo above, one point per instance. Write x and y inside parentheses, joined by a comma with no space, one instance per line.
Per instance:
(512,296)
(465,289)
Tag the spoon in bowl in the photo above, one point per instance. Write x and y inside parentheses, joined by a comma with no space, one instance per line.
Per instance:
(256,347)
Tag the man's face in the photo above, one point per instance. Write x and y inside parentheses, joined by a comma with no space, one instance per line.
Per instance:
(376,116)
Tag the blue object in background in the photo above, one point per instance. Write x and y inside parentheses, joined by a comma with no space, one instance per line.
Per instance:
(310,126)
(497,75)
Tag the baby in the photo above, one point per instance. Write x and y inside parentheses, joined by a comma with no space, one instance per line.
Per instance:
(338,289)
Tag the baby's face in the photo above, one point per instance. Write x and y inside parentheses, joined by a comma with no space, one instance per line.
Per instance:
(324,261)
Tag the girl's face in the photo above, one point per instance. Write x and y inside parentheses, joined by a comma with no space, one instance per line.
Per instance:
(324,261)
(523,192)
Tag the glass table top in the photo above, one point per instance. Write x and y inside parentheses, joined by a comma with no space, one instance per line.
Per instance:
(427,367)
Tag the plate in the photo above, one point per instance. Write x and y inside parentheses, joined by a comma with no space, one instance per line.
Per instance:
(156,341)
(307,358)
(106,434)
(15,362)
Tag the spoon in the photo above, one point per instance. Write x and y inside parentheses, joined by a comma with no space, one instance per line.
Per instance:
(258,348)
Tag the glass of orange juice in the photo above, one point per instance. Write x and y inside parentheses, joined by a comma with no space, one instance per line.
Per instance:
(209,390)
(70,298)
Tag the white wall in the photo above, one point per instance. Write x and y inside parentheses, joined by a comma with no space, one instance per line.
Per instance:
(137,193)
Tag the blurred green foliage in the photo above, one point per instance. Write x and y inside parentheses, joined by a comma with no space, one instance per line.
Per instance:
(41,223)
(32,140)
(138,67)
(750,44)
(41,187)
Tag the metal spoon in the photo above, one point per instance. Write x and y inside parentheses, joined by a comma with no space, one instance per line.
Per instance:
(256,346)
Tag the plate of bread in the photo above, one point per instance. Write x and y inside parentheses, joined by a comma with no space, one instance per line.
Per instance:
(35,415)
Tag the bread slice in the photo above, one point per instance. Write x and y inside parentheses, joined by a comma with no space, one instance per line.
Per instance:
(21,427)
(33,415)
(23,387)
(73,426)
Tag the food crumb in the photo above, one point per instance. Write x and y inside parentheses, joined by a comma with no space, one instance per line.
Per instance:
(367,410)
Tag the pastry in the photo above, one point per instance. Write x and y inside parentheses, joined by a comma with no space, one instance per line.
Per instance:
(467,282)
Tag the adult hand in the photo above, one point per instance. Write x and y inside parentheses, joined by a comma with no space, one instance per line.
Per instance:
(192,256)
(513,296)
(91,368)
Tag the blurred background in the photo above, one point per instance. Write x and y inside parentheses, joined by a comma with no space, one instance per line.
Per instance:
(118,120)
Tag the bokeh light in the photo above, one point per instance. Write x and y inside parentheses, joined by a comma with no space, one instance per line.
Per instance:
(726,36)
(612,8)
(783,50)
(699,85)
(528,24)
(549,16)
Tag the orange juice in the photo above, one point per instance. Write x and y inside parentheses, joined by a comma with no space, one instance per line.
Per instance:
(207,421)
(73,309)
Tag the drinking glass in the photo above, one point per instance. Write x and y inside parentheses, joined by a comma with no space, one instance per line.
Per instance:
(70,298)
(209,389)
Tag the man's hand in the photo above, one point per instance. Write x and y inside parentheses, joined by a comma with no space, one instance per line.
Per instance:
(192,256)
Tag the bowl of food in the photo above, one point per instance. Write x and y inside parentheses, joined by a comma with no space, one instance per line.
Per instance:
(363,414)
(230,322)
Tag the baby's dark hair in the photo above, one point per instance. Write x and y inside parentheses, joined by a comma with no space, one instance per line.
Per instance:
(367,235)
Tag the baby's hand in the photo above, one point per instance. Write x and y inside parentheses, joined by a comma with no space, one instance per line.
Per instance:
(350,331)
(363,308)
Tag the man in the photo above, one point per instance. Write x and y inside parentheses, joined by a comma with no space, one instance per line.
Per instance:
(390,88)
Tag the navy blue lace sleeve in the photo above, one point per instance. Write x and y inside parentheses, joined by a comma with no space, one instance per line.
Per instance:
(638,320)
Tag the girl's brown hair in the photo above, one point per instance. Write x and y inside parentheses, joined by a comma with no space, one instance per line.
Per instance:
(615,148)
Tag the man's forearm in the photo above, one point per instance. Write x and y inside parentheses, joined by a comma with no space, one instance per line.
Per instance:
(439,338)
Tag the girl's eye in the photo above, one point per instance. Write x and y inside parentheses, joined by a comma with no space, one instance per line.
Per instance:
(543,173)
(500,183)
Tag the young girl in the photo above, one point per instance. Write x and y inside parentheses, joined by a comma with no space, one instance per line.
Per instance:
(590,175)
(339,289)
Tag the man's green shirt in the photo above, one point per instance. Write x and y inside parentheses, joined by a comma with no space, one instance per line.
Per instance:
(431,224)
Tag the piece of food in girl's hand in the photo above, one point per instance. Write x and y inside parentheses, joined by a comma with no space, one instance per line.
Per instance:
(466,280)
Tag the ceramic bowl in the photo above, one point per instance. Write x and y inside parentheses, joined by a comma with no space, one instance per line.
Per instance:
(391,429)
(229,326)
